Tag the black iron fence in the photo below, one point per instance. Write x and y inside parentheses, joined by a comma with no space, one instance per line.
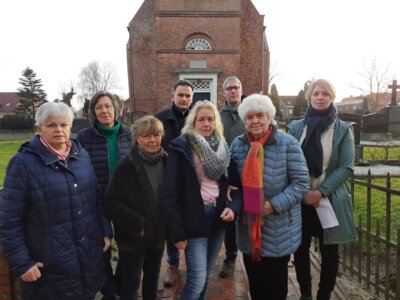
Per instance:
(374,259)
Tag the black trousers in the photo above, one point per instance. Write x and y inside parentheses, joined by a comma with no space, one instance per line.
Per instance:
(329,257)
(268,278)
(109,290)
(230,241)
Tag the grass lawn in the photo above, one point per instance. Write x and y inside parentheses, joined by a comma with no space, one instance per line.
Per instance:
(7,150)
(379,207)
(379,153)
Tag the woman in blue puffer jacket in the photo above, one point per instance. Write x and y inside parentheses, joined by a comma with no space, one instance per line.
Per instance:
(52,228)
(274,179)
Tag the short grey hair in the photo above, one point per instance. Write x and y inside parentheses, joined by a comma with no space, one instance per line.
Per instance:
(257,103)
(53,109)
(117,106)
(231,78)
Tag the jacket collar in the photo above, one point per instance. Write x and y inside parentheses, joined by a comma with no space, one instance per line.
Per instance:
(35,146)
(227,107)
(182,144)
(271,140)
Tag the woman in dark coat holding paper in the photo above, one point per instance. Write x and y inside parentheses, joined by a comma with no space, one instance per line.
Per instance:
(328,146)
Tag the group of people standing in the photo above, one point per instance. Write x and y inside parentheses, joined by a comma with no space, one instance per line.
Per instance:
(189,175)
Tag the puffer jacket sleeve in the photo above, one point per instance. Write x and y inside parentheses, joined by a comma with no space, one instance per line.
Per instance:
(344,165)
(117,197)
(298,179)
(236,196)
(104,222)
(12,216)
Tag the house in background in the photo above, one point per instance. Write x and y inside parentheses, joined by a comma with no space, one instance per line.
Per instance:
(201,41)
(286,104)
(8,103)
(361,105)
(353,105)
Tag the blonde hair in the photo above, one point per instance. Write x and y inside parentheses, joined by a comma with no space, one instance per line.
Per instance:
(323,83)
(191,118)
(146,125)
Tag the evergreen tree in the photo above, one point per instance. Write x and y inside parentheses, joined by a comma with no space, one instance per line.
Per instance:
(31,94)
(85,109)
(301,104)
(275,100)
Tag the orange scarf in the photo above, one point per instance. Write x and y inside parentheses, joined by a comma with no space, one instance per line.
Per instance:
(253,192)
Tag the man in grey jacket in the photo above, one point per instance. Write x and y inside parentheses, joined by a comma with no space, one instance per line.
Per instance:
(233,126)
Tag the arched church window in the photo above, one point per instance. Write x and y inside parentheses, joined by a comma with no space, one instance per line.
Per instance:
(198,44)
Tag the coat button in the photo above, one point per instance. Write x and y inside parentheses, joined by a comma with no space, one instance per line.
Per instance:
(79,212)
(75,184)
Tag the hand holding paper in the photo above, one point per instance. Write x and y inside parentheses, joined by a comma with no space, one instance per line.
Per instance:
(326,214)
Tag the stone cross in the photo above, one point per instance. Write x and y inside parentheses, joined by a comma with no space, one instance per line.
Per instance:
(394,88)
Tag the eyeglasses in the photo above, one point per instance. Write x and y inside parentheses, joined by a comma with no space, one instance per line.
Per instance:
(148,136)
(234,87)
(101,107)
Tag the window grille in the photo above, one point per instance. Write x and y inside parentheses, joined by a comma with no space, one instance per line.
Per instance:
(201,85)
(198,44)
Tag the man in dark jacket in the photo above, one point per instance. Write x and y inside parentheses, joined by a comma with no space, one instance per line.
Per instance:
(173,120)
(233,126)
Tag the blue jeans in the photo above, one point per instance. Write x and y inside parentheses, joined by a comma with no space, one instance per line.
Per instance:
(129,272)
(201,254)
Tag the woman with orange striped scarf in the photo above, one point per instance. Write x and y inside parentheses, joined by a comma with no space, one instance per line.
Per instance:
(274,179)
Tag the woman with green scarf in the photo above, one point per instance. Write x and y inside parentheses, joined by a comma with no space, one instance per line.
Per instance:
(106,141)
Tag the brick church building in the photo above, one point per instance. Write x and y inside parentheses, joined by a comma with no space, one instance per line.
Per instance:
(203,41)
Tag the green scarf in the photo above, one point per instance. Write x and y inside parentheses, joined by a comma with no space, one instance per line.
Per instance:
(111,135)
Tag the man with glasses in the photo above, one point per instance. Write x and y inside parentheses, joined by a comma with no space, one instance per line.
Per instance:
(233,126)
(173,120)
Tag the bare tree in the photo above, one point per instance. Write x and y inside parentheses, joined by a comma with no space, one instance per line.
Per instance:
(96,77)
(375,82)
(273,72)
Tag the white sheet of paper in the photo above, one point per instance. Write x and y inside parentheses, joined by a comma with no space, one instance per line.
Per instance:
(326,214)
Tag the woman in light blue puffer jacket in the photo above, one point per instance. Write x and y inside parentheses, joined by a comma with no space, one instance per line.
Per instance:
(274,178)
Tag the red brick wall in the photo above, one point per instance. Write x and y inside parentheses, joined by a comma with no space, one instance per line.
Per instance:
(160,31)
(6,284)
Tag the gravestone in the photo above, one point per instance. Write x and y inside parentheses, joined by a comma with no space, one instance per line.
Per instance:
(375,128)
(393,111)
(355,121)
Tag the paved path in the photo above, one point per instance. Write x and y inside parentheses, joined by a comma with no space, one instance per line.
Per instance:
(236,286)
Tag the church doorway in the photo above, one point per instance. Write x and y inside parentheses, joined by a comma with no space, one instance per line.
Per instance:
(200,96)
(205,86)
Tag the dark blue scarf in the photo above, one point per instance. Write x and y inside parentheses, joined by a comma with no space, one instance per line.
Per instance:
(317,122)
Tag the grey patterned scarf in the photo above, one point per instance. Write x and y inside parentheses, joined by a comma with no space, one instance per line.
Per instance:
(151,158)
(213,152)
